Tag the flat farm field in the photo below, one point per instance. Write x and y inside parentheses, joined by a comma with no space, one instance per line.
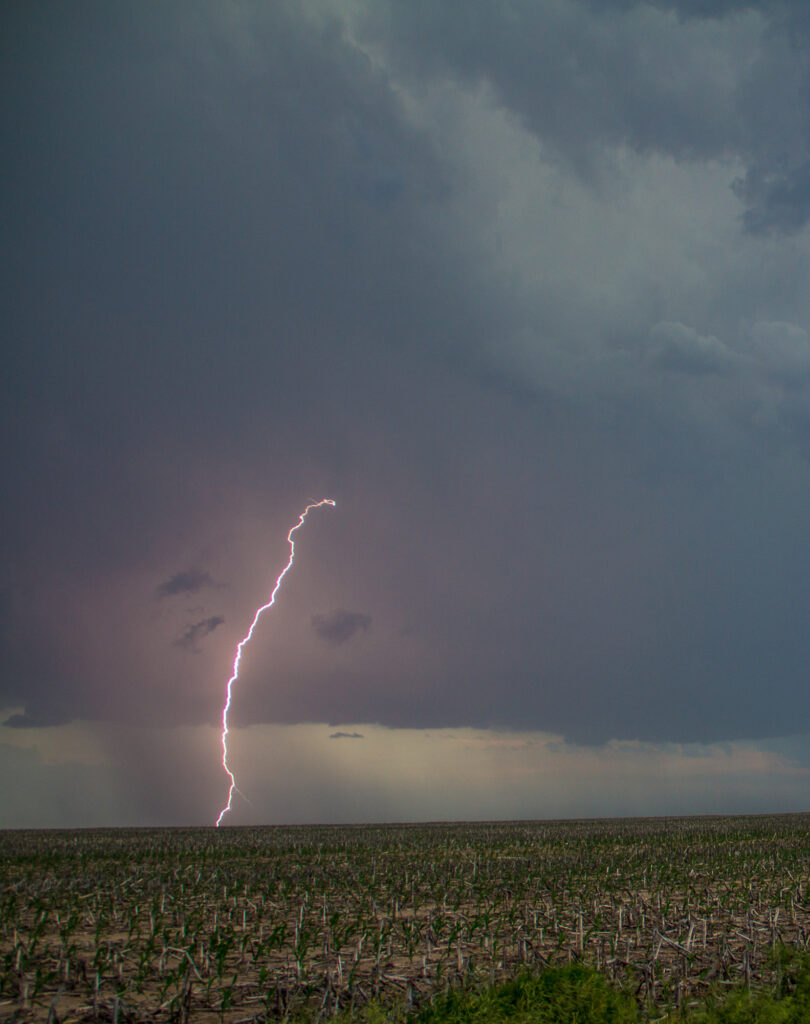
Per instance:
(245,924)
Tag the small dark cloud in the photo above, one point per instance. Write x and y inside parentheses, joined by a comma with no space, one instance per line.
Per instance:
(187,582)
(194,633)
(340,625)
(345,736)
(37,718)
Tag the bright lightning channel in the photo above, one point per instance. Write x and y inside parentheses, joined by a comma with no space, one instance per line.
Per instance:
(240,646)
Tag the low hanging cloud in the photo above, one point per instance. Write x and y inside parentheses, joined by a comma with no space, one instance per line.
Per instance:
(345,736)
(340,626)
(194,633)
(188,582)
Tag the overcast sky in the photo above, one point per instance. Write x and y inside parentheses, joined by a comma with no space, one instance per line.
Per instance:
(523,287)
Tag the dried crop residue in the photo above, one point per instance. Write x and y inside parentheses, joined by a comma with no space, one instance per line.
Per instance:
(237,924)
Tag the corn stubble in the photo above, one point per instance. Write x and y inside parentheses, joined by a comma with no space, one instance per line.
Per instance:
(245,924)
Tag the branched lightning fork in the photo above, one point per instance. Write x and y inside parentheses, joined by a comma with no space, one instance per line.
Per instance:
(240,646)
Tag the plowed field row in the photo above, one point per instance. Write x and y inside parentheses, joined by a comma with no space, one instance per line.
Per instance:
(245,924)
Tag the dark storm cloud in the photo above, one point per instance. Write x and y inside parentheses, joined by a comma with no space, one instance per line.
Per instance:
(582,76)
(191,636)
(226,223)
(187,582)
(345,736)
(486,280)
(340,625)
(721,78)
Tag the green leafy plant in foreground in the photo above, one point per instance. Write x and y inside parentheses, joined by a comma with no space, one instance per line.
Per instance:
(565,995)
(574,994)
(787,1003)
(577,994)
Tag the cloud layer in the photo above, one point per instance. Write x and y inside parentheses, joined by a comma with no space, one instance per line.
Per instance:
(524,291)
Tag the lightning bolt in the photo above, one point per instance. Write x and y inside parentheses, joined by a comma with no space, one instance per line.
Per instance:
(241,645)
